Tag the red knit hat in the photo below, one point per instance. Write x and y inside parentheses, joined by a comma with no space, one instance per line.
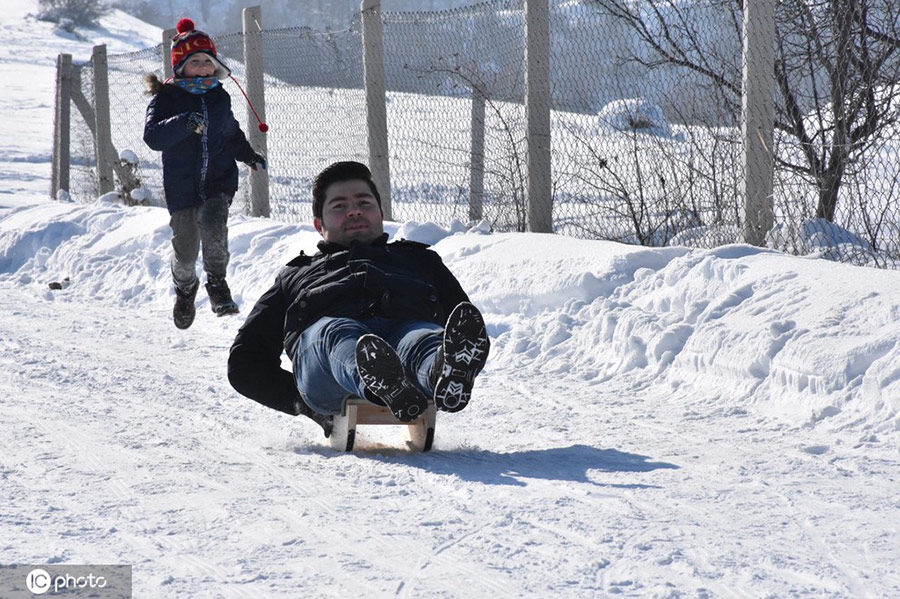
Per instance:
(189,41)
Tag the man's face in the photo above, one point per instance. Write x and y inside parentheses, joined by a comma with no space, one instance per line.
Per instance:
(350,212)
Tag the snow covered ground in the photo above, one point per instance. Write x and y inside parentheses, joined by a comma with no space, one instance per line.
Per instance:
(652,422)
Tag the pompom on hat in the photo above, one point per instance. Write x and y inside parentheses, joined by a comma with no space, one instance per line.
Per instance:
(189,41)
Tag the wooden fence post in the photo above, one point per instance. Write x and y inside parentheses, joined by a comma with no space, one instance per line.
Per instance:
(167,36)
(61,125)
(376,101)
(253,80)
(758,109)
(103,148)
(537,115)
(476,170)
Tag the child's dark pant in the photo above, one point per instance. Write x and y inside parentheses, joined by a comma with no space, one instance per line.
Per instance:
(206,227)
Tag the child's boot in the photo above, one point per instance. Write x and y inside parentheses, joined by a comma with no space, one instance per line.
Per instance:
(184,310)
(220,297)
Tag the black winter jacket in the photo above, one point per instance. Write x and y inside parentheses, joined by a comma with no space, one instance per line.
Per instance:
(402,280)
(195,165)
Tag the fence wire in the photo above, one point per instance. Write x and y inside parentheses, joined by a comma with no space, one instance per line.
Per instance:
(643,151)
(315,109)
(83,176)
(128,100)
(646,129)
(435,64)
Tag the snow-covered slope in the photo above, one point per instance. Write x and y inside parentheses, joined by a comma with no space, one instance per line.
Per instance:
(652,423)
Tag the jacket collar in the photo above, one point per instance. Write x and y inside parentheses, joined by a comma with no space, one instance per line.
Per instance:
(330,247)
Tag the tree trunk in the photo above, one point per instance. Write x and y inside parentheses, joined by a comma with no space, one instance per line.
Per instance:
(829,185)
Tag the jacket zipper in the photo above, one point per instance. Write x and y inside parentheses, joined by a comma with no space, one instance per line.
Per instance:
(204,149)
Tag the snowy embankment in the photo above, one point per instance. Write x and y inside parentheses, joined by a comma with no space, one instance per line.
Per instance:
(735,327)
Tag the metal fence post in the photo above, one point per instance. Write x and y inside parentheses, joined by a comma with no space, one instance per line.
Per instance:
(376,102)
(253,69)
(167,36)
(476,171)
(61,125)
(537,114)
(758,119)
(103,148)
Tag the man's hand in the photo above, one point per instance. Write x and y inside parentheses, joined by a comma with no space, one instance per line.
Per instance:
(374,279)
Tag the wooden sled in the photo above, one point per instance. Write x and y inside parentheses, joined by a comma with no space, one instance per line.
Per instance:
(420,432)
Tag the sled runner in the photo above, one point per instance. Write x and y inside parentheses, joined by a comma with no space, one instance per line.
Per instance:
(420,432)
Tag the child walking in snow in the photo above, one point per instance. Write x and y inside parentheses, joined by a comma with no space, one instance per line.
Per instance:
(189,119)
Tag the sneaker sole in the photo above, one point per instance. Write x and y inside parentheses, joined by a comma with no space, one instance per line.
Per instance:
(466,347)
(380,369)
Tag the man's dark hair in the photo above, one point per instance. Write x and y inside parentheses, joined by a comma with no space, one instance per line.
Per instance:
(336,173)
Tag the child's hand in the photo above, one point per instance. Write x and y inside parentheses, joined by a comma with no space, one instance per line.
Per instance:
(257,162)
(196,123)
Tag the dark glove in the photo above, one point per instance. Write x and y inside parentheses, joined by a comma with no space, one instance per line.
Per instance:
(374,279)
(196,122)
(326,421)
(257,162)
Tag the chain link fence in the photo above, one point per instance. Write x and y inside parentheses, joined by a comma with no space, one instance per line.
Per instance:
(646,120)
(645,152)
(84,186)
(466,60)
(316,111)
(835,147)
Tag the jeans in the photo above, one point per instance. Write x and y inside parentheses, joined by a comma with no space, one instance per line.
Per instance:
(325,360)
(205,226)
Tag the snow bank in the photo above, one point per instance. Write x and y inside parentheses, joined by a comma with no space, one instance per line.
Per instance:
(635,115)
(736,327)
(733,327)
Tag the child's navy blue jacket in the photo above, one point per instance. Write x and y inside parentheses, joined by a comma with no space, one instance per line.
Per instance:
(195,165)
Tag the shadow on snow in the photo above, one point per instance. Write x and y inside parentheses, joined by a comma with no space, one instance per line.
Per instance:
(496,468)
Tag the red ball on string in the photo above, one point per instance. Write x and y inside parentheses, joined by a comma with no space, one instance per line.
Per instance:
(184,25)
(263,127)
